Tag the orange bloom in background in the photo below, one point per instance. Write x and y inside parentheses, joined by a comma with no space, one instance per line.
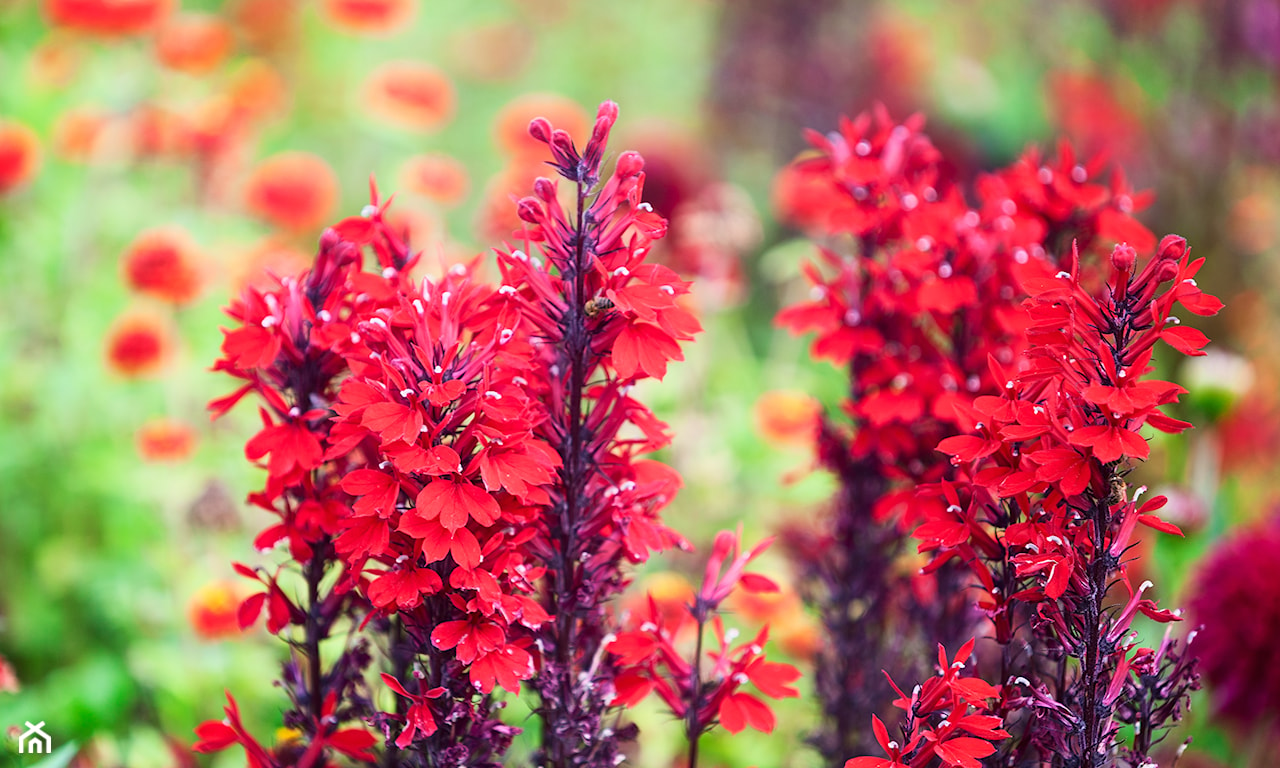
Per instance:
(212,610)
(159,132)
(195,43)
(787,417)
(293,190)
(107,17)
(19,155)
(497,219)
(76,133)
(165,440)
(56,60)
(8,678)
(491,53)
(265,25)
(256,90)
(256,265)
(410,94)
(368,17)
(138,344)
(511,127)
(436,177)
(163,263)
(671,592)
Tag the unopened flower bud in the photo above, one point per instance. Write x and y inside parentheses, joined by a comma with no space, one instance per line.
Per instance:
(1124,257)
(529,210)
(1172,248)
(329,238)
(630,164)
(540,129)
(545,189)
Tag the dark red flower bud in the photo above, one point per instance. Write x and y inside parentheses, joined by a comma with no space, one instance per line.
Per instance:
(530,210)
(562,142)
(540,129)
(1124,257)
(1172,247)
(630,164)
(545,189)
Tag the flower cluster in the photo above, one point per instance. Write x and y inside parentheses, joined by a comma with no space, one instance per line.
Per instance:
(600,319)
(916,292)
(288,348)
(948,717)
(455,467)
(1041,513)
(655,661)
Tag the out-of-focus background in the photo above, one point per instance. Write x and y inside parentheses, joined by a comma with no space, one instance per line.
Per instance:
(158,155)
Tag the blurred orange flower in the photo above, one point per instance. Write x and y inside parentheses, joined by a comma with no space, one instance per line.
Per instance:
(256,90)
(107,17)
(437,177)
(76,133)
(195,43)
(164,263)
(265,25)
(255,266)
(491,52)
(293,190)
(497,217)
(670,591)
(511,127)
(369,16)
(19,155)
(213,610)
(410,94)
(165,440)
(138,344)
(56,60)
(787,417)
(159,132)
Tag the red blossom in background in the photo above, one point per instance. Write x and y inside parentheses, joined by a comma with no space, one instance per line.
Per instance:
(915,291)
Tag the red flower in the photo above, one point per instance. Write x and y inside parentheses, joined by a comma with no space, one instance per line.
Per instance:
(293,190)
(369,16)
(19,155)
(440,178)
(107,17)
(410,94)
(419,718)
(138,344)
(195,43)
(163,263)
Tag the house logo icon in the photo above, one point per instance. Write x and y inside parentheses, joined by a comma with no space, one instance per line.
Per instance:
(35,740)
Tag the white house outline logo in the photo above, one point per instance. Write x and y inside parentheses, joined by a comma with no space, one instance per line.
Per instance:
(35,740)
